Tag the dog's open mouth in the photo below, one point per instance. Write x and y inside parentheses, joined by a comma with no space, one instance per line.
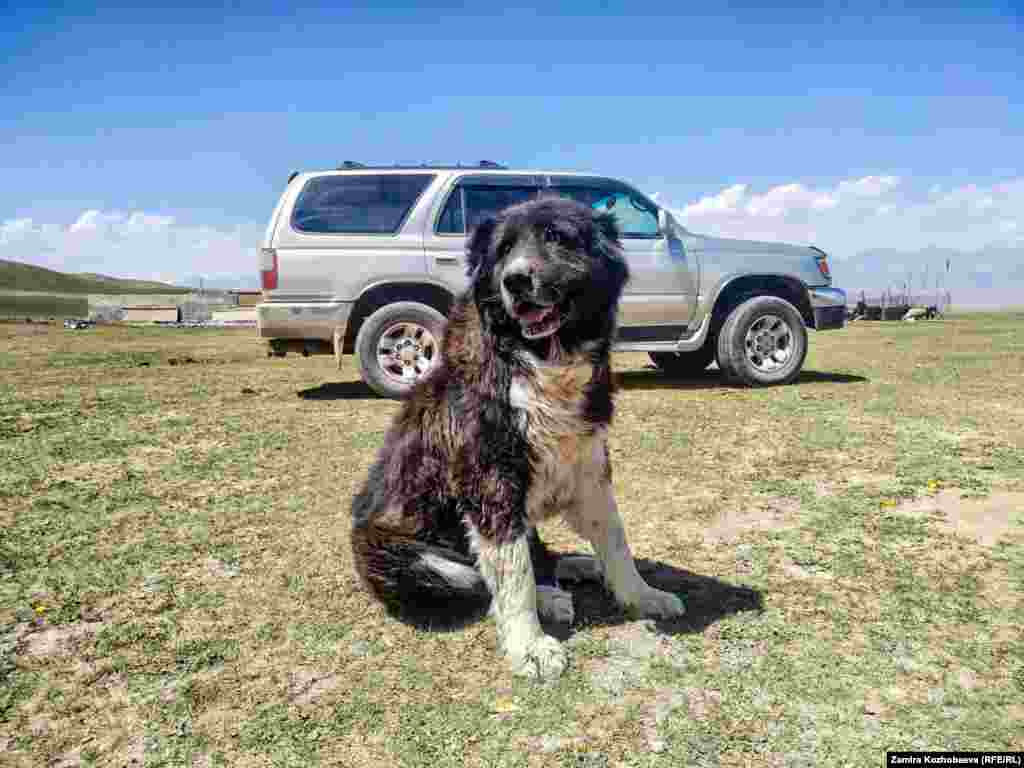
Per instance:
(537,321)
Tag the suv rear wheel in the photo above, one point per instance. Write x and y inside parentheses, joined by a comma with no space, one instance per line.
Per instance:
(398,345)
(763,342)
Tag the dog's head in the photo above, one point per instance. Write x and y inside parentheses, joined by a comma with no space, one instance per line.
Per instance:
(548,269)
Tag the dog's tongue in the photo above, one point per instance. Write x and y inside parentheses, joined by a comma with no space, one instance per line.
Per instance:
(535,315)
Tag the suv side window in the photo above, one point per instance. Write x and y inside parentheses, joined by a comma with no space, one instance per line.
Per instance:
(637,217)
(357,204)
(473,200)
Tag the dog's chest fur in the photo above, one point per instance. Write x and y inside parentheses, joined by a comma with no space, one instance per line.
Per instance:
(567,451)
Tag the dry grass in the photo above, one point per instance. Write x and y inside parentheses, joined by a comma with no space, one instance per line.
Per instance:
(176,586)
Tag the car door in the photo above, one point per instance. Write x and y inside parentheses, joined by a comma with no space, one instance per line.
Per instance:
(661,295)
(470,199)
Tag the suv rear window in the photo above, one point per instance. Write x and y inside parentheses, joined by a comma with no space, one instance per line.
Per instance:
(358,204)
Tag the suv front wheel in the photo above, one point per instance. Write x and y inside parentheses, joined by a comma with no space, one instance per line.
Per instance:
(398,345)
(763,342)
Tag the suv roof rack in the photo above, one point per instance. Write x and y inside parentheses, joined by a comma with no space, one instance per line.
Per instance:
(351,165)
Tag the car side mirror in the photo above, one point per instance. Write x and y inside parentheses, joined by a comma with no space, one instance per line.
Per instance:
(664,222)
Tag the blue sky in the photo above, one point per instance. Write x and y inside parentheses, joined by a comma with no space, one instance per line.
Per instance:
(190,119)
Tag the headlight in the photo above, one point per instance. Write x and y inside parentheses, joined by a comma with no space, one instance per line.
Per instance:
(821,259)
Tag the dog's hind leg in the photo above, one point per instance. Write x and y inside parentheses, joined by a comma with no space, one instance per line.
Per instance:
(576,568)
(596,518)
(508,571)
(554,605)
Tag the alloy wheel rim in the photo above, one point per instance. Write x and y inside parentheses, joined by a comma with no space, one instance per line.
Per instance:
(406,351)
(769,343)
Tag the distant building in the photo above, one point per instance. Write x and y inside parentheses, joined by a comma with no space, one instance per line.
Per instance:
(152,313)
(248,298)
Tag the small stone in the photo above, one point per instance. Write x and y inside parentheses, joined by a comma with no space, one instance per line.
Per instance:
(221,569)
(39,727)
(359,648)
(968,679)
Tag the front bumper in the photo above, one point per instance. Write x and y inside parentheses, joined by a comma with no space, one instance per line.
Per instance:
(829,306)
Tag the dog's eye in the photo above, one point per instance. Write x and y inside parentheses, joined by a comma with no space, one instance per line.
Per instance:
(554,235)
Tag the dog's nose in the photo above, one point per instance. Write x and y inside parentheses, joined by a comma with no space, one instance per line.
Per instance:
(518,283)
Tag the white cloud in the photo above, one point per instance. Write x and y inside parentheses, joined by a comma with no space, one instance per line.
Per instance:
(862,213)
(134,244)
(866,187)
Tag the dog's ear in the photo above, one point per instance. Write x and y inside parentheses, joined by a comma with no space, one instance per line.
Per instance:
(478,244)
(607,227)
(608,246)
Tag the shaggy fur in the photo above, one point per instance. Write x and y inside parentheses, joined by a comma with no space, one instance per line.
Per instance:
(508,430)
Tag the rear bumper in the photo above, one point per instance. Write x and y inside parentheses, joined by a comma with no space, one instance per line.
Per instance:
(305,320)
(829,305)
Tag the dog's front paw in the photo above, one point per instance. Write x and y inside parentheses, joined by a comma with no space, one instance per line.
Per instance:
(544,659)
(554,605)
(654,602)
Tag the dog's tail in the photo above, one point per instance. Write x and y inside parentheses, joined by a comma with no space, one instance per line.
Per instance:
(424,584)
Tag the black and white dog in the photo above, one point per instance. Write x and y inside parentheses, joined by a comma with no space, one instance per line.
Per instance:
(508,430)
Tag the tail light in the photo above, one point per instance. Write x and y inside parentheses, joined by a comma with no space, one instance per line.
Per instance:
(822,260)
(268,268)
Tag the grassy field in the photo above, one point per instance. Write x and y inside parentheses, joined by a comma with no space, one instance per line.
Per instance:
(39,307)
(16,276)
(176,586)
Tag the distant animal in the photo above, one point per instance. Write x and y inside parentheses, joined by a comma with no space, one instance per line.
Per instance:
(508,430)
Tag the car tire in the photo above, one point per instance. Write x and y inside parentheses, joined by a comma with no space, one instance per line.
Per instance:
(398,345)
(763,342)
(685,364)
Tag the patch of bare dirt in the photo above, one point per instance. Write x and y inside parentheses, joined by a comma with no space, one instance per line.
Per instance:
(58,640)
(703,703)
(804,571)
(665,701)
(984,520)
(69,759)
(135,754)
(548,744)
(632,648)
(774,515)
(306,686)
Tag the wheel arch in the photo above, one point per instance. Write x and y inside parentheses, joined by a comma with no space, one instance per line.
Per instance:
(737,290)
(382,294)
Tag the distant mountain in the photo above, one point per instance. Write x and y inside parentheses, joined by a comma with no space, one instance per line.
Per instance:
(221,282)
(15,276)
(992,276)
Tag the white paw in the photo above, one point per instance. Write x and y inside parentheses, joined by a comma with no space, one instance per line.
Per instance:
(554,605)
(578,568)
(544,658)
(654,602)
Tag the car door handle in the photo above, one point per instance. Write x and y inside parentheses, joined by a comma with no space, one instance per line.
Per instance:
(446,259)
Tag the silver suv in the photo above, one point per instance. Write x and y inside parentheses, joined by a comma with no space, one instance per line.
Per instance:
(368,259)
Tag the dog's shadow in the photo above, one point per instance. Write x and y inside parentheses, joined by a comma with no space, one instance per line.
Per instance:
(707,601)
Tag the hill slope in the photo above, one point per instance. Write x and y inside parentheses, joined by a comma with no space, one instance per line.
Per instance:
(15,276)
